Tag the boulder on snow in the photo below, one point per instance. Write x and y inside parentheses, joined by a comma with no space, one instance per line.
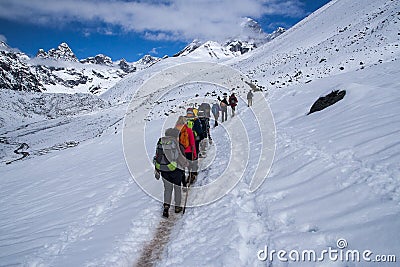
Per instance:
(328,100)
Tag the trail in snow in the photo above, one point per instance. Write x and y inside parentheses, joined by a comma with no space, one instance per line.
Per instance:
(152,250)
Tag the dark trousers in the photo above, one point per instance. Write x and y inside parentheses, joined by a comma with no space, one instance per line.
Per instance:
(233,110)
(172,181)
(197,146)
(224,115)
(192,167)
(216,120)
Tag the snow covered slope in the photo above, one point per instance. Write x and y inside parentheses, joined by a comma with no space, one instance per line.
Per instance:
(72,201)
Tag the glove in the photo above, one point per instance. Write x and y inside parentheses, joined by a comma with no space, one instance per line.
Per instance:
(157,174)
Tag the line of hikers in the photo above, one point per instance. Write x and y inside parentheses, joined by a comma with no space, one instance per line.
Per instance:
(183,145)
(179,150)
(222,106)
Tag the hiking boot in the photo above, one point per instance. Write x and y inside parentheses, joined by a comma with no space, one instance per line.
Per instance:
(165,213)
(178,209)
(192,178)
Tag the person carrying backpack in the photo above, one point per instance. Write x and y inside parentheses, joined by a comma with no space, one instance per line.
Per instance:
(224,107)
(215,109)
(206,109)
(194,123)
(233,102)
(170,164)
(187,141)
(204,115)
(250,98)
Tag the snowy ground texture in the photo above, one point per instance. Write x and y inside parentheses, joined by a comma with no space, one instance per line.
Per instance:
(336,173)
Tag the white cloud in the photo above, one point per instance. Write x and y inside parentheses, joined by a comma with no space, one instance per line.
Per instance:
(156,20)
(153,51)
(3,38)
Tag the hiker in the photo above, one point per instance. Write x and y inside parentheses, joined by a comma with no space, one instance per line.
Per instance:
(204,115)
(233,102)
(195,110)
(215,109)
(205,125)
(250,98)
(206,108)
(170,164)
(187,140)
(224,107)
(194,123)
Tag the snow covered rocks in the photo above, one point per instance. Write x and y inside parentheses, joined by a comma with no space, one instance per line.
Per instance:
(326,101)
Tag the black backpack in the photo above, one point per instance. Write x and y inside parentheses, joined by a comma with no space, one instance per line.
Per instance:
(167,153)
(205,109)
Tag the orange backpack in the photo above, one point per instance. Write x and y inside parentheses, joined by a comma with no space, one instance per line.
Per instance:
(184,137)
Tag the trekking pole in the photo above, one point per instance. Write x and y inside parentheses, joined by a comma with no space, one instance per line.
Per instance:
(186,197)
(187,188)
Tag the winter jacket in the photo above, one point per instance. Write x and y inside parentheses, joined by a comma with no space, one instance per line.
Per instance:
(233,100)
(250,95)
(224,104)
(196,128)
(215,109)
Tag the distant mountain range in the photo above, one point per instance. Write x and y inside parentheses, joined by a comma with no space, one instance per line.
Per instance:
(59,70)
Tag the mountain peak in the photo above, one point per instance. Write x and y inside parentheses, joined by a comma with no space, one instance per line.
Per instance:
(62,52)
(189,48)
(3,45)
(99,59)
(250,26)
(147,59)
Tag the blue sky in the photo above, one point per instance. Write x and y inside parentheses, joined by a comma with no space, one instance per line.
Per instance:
(129,29)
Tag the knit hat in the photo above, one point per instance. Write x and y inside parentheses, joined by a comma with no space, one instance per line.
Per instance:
(189,113)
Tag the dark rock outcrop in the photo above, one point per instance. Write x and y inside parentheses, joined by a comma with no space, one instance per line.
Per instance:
(328,100)
(16,74)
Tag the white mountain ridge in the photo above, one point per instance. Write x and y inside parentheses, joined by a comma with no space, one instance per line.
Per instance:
(60,71)
(251,37)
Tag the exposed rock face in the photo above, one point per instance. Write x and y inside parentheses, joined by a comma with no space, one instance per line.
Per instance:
(98,59)
(239,46)
(328,100)
(63,52)
(147,59)
(16,74)
(123,65)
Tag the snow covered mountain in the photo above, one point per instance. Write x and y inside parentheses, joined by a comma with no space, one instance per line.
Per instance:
(15,74)
(70,199)
(250,37)
(63,52)
(59,71)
